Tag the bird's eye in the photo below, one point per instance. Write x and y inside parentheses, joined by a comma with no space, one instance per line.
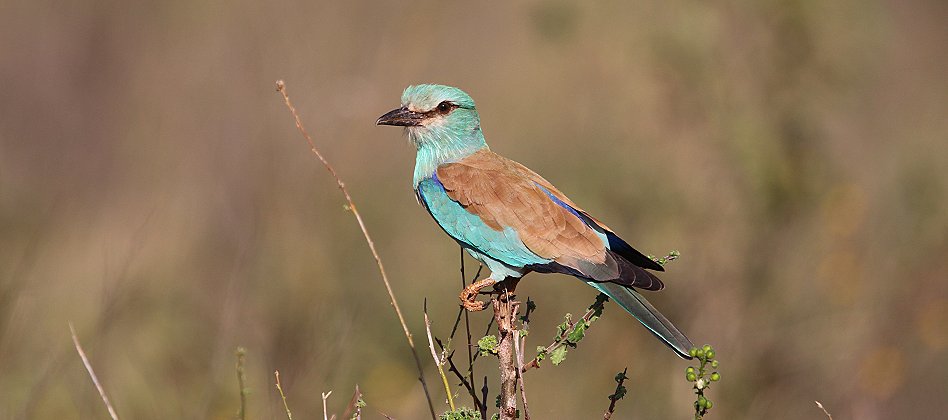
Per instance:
(444,106)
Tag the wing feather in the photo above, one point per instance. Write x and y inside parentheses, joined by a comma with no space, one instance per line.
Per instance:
(503,194)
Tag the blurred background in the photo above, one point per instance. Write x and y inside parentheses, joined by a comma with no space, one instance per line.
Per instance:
(155,192)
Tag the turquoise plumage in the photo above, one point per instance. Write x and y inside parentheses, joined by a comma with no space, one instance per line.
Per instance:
(503,246)
(510,218)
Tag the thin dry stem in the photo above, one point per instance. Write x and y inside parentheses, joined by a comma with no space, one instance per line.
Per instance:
(468,382)
(519,344)
(467,329)
(325,412)
(286,407)
(353,410)
(241,381)
(535,363)
(95,379)
(281,87)
(818,404)
(615,396)
(486,332)
(453,368)
(438,361)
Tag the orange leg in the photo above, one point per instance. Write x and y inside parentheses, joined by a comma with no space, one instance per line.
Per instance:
(469,293)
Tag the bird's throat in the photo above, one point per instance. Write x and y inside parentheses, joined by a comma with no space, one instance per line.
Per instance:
(430,157)
(442,144)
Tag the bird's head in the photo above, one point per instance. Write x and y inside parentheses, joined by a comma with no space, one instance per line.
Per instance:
(437,117)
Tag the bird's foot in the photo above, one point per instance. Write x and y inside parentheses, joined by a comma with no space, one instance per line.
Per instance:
(469,294)
(505,289)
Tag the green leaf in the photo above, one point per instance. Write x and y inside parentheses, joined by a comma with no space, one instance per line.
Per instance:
(558,355)
(487,345)
(531,306)
(462,413)
(598,306)
(578,332)
(565,326)
(541,353)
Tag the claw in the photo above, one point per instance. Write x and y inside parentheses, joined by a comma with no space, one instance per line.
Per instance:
(473,305)
(469,294)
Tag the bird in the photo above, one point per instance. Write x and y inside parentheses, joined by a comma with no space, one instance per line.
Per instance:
(510,218)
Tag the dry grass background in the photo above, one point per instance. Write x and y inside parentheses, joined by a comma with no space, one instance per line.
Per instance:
(154,191)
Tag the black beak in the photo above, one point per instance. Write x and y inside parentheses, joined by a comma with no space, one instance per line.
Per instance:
(402,117)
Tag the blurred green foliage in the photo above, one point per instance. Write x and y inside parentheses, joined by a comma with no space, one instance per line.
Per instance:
(154,191)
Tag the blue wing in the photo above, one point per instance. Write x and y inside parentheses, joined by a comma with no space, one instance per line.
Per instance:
(506,247)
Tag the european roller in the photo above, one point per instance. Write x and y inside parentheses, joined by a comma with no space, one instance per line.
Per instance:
(511,219)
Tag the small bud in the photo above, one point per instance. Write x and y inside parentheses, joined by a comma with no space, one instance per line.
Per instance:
(693,352)
(709,353)
(714,363)
(715,376)
(690,376)
(700,354)
(702,402)
(707,404)
(690,370)
(706,348)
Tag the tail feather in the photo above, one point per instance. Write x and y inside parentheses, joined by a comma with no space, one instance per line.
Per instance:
(632,275)
(621,247)
(635,304)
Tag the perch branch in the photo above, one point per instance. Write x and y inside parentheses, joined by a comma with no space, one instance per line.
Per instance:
(505,312)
